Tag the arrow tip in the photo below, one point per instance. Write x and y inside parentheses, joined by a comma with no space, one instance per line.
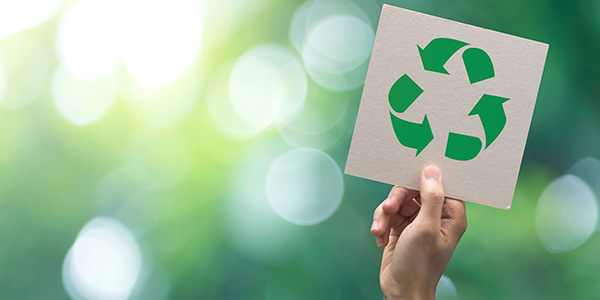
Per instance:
(487,102)
(431,61)
(426,139)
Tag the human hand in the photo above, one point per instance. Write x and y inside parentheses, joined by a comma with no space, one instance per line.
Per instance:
(419,232)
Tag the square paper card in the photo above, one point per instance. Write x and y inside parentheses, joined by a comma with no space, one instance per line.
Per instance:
(450,94)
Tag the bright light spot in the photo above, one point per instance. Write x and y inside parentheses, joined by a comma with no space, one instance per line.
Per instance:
(335,39)
(157,40)
(162,40)
(220,108)
(159,159)
(251,222)
(82,102)
(304,186)
(27,67)
(17,16)
(103,263)
(87,39)
(164,106)
(566,214)
(267,85)
(340,41)
(445,289)
(588,169)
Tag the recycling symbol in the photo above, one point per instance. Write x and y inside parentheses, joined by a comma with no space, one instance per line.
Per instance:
(404,92)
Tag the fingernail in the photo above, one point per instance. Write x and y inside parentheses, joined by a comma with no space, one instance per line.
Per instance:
(432,172)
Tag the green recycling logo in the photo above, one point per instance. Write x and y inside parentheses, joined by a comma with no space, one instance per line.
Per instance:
(404,92)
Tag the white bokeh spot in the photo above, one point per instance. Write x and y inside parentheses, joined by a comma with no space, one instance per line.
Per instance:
(162,41)
(158,41)
(80,101)
(304,186)
(87,39)
(334,39)
(18,16)
(103,263)
(267,84)
(566,214)
(445,289)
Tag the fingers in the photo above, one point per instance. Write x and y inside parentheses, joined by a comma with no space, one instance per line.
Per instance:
(380,223)
(395,199)
(410,207)
(387,214)
(454,219)
(432,198)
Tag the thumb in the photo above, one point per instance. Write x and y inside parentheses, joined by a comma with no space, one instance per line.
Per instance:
(432,197)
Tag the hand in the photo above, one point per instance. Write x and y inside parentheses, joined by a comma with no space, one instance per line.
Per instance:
(419,233)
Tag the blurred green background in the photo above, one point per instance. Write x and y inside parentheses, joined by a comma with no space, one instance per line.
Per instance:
(194,149)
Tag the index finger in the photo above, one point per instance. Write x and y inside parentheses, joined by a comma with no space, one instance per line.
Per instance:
(395,199)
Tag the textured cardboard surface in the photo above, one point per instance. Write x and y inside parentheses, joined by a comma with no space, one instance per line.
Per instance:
(490,178)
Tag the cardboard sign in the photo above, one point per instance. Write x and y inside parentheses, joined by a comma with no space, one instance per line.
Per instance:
(449,94)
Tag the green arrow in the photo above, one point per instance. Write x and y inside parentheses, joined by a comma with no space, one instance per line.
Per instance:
(412,135)
(403,93)
(478,64)
(437,52)
(462,147)
(492,116)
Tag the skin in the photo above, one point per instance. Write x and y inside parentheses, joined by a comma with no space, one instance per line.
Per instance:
(419,231)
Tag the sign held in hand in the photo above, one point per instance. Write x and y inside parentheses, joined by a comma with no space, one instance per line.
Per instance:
(450,94)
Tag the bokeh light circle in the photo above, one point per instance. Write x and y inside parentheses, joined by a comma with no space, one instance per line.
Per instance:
(267,84)
(95,35)
(445,289)
(338,43)
(88,37)
(163,40)
(103,263)
(566,214)
(334,39)
(588,169)
(304,186)
(80,101)
(17,16)
(27,68)
(221,110)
